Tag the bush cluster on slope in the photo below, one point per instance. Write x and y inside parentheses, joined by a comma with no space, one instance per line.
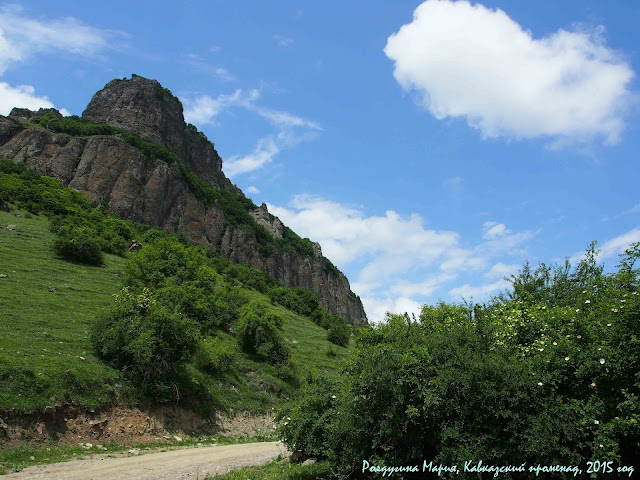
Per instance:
(83,233)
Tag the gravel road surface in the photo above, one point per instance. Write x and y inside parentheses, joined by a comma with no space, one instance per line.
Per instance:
(190,463)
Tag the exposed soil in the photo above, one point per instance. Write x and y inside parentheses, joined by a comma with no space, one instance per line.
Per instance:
(67,425)
(189,463)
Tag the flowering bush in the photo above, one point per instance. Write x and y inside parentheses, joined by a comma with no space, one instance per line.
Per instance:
(547,374)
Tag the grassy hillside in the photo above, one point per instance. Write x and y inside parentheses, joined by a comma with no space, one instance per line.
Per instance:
(48,306)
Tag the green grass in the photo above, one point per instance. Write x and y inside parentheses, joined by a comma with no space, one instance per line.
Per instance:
(277,470)
(45,356)
(45,353)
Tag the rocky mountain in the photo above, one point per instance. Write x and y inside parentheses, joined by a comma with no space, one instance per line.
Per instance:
(133,151)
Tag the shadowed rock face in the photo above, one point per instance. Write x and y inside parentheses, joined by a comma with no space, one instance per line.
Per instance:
(107,168)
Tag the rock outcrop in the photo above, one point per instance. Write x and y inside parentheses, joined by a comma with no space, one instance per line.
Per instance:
(108,169)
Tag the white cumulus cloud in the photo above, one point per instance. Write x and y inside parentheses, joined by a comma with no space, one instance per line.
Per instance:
(468,61)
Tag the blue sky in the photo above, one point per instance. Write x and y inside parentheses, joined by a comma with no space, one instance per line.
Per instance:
(430,148)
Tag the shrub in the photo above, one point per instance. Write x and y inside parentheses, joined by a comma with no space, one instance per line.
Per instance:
(145,339)
(305,423)
(339,334)
(165,257)
(79,243)
(258,332)
(214,355)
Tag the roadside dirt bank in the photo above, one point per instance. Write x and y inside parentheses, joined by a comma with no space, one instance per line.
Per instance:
(68,425)
(184,464)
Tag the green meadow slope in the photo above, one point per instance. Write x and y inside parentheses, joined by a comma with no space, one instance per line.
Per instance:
(48,306)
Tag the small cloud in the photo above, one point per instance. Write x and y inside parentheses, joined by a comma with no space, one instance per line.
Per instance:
(493,230)
(283,41)
(198,63)
(377,308)
(396,262)
(502,270)
(204,109)
(291,129)
(629,211)
(22,96)
(617,245)
(223,74)
(215,48)
(453,183)
(252,189)
(480,292)
(263,153)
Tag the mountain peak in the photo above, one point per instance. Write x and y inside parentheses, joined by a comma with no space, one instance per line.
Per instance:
(145,107)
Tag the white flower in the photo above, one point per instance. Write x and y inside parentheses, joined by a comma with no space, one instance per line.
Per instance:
(615,310)
(601,446)
(541,349)
(584,291)
(599,348)
(539,384)
(555,343)
(597,422)
(579,336)
(609,324)
(602,361)
(587,301)
(593,384)
(333,396)
(566,359)
(577,310)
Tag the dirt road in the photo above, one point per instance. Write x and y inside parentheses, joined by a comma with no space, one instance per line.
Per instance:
(190,463)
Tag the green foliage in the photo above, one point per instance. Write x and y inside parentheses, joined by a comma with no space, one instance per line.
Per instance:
(83,233)
(330,266)
(304,425)
(298,299)
(547,374)
(147,340)
(214,356)
(280,471)
(339,334)
(259,333)
(37,194)
(251,277)
(78,243)
(193,129)
(292,242)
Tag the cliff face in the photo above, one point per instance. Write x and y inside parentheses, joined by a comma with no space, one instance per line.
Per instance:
(107,168)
